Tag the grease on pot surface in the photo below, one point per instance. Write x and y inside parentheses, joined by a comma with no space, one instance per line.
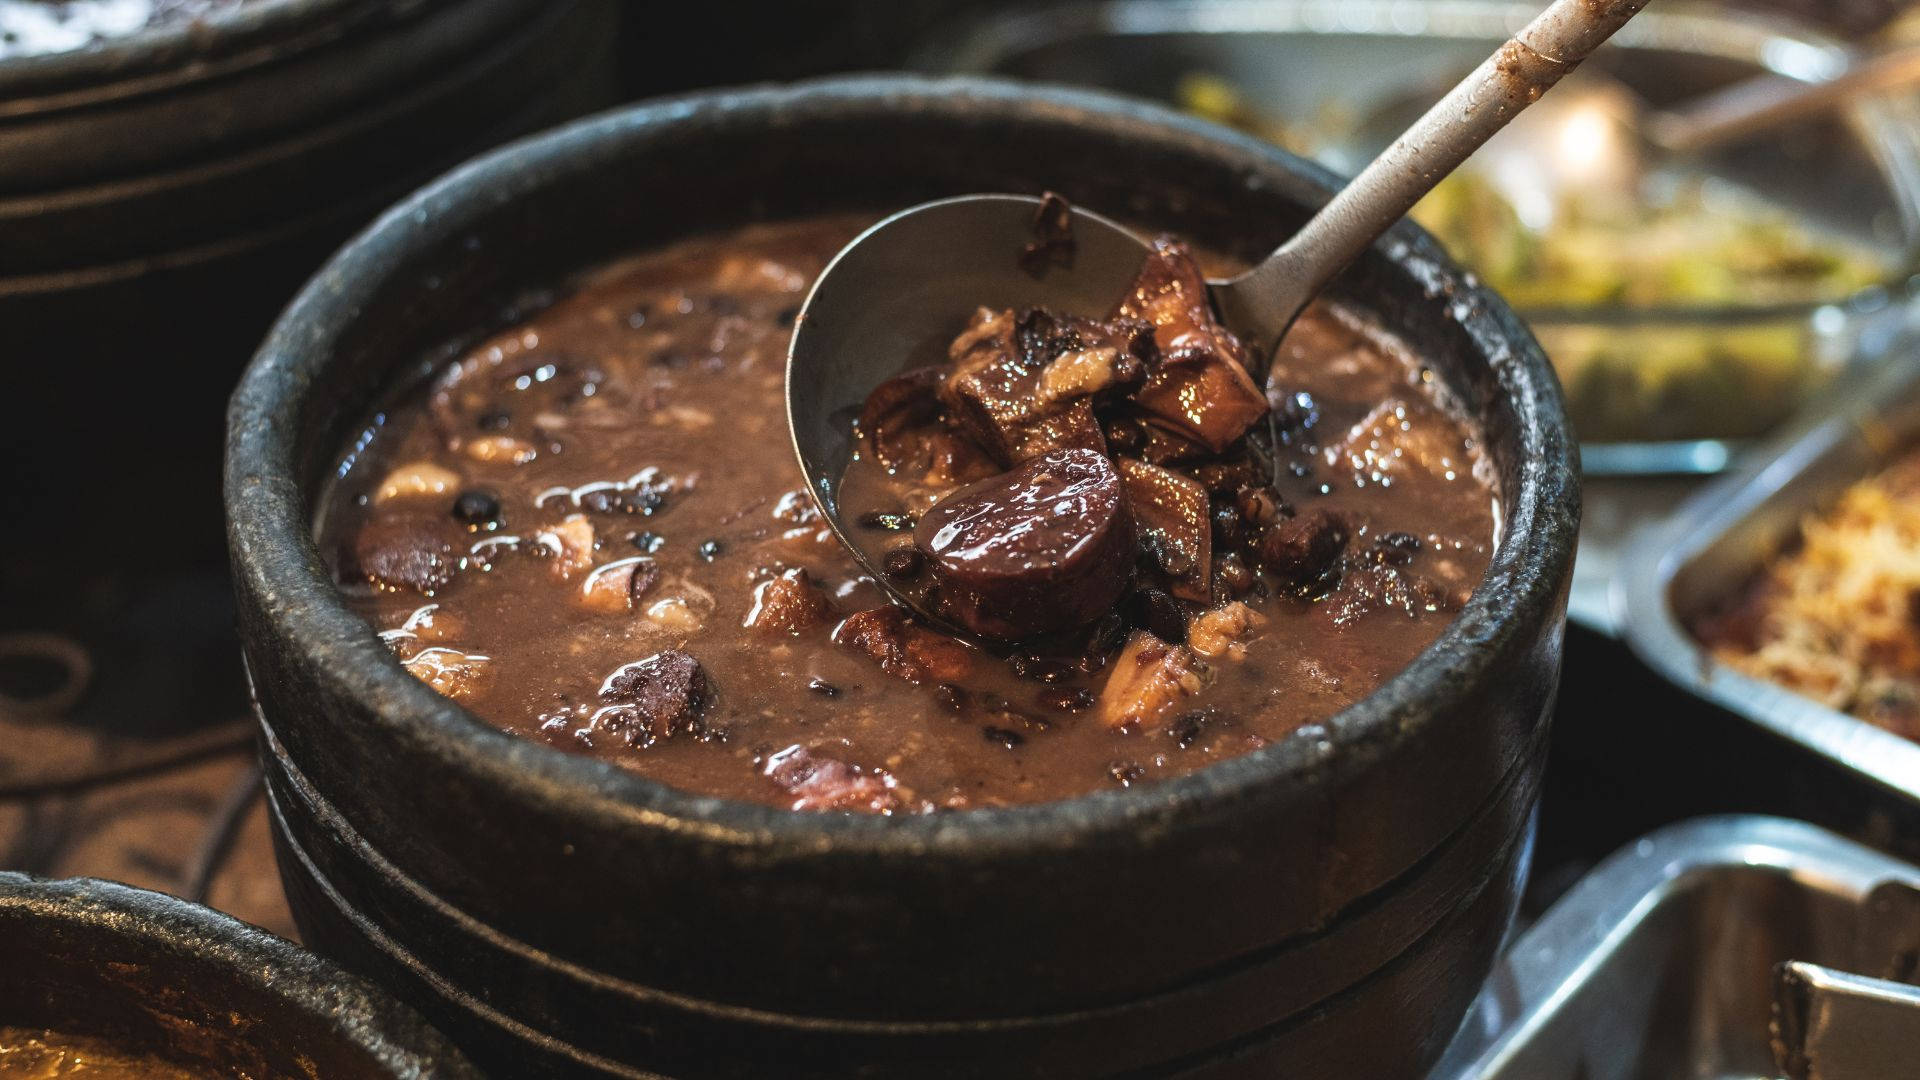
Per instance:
(35,1054)
(590,530)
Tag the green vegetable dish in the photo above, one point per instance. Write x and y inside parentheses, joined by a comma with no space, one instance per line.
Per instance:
(1618,294)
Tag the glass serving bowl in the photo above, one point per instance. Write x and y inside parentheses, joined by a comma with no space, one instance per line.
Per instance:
(1673,386)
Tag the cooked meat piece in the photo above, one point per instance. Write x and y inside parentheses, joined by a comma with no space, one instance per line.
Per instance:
(1052,243)
(788,604)
(1200,387)
(994,393)
(1395,437)
(1222,632)
(1301,549)
(656,698)
(1044,547)
(570,544)
(405,552)
(1162,446)
(1367,586)
(818,782)
(619,585)
(901,417)
(1170,294)
(416,479)
(429,625)
(1158,613)
(456,674)
(1082,373)
(903,424)
(904,649)
(1170,513)
(987,328)
(1212,402)
(1150,679)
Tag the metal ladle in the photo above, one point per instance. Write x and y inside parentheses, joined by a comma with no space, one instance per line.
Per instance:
(914,276)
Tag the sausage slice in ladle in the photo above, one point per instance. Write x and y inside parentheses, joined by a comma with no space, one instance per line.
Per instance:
(1044,547)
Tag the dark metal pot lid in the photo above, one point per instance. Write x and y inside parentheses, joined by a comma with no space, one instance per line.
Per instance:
(113,958)
(276,559)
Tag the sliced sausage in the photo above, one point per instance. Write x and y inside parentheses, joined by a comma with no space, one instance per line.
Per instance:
(1044,547)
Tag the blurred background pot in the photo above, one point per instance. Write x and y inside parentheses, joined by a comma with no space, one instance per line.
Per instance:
(163,194)
(158,977)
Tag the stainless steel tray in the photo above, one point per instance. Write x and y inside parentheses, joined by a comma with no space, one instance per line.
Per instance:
(1659,963)
(1714,543)
(1304,58)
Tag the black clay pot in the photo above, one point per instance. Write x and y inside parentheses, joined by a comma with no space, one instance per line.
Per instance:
(1329,902)
(239,76)
(163,195)
(156,975)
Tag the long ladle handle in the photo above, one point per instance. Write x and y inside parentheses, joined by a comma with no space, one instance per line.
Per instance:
(1764,101)
(1274,292)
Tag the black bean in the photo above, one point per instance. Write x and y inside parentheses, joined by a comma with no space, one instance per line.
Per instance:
(1260,506)
(645,575)
(1006,737)
(1227,528)
(884,520)
(1187,728)
(950,697)
(823,688)
(500,420)
(1233,574)
(1296,416)
(903,562)
(1126,773)
(788,315)
(1158,614)
(1109,632)
(648,542)
(1174,561)
(1040,669)
(1069,699)
(710,550)
(1396,548)
(477,508)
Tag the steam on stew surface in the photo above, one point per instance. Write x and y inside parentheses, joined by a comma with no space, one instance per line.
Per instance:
(590,531)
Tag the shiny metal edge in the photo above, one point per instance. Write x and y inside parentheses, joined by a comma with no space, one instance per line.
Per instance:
(1577,936)
(1721,536)
(1775,44)
(1779,45)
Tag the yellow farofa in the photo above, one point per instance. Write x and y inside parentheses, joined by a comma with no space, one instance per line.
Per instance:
(1839,612)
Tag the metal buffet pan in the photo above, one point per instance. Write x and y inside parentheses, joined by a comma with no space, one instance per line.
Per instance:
(1712,546)
(1710,378)
(1661,964)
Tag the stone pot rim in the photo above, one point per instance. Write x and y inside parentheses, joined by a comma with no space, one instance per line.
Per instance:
(275,558)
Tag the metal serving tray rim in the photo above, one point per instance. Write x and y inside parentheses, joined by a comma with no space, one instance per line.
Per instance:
(1780,45)
(1545,965)
(1642,599)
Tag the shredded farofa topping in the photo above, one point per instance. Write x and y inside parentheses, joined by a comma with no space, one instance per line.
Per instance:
(1837,617)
